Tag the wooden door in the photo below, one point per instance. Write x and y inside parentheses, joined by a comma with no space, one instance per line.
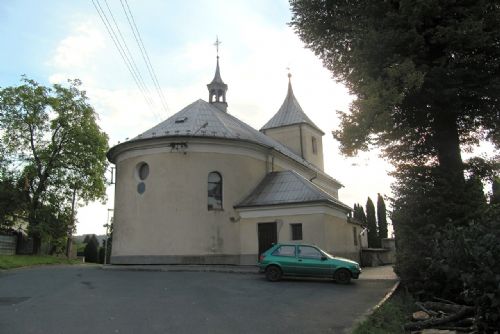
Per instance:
(268,235)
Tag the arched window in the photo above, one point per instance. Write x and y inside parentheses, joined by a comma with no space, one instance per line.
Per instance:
(214,191)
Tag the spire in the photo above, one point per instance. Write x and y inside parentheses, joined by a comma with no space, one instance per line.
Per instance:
(217,88)
(290,112)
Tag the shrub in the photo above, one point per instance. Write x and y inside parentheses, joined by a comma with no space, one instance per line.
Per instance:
(448,252)
(91,250)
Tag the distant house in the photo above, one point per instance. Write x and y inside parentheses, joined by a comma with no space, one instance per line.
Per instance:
(204,187)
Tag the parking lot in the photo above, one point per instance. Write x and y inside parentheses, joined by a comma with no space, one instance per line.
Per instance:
(81,299)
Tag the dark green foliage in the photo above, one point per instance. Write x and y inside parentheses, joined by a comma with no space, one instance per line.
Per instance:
(373,241)
(91,251)
(440,253)
(51,145)
(425,74)
(359,214)
(381,218)
(101,254)
(86,238)
(426,77)
(495,191)
(12,205)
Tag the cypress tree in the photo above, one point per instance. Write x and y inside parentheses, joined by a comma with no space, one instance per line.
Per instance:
(381,218)
(372,224)
(359,214)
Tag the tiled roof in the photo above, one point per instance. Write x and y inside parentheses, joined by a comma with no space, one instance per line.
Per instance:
(288,187)
(202,119)
(289,113)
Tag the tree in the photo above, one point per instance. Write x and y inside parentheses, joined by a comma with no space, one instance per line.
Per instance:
(11,203)
(425,74)
(91,251)
(381,218)
(359,214)
(495,191)
(373,241)
(54,147)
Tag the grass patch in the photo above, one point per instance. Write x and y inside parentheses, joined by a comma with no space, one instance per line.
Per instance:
(390,317)
(16,261)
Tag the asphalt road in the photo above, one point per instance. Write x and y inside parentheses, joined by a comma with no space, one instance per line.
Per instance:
(86,300)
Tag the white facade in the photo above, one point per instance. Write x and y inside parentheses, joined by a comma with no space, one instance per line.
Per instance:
(163,212)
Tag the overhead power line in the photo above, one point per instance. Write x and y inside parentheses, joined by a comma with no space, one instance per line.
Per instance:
(144,52)
(127,53)
(127,57)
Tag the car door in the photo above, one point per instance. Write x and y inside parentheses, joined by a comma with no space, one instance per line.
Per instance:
(311,262)
(285,256)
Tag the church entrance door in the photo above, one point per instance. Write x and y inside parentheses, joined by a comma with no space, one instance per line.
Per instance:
(268,235)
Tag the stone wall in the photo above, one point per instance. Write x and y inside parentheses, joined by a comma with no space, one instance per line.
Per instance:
(372,257)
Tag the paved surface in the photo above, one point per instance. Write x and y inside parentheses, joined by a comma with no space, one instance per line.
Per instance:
(81,299)
(369,273)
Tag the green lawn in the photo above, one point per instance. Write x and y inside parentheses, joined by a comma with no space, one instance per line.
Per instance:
(390,317)
(15,261)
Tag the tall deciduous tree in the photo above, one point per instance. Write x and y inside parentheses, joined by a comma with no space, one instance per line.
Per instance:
(381,217)
(426,75)
(53,145)
(371,221)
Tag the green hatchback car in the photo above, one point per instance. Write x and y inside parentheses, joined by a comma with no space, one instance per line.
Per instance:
(306,260)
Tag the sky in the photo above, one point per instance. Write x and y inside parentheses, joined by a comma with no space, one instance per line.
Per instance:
(51,41)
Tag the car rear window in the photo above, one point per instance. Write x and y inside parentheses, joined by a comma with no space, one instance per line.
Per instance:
(284,251)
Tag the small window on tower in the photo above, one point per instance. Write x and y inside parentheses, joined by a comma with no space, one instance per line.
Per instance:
(314,145)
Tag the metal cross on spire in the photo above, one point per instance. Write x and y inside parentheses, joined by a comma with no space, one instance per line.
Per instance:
(217,43)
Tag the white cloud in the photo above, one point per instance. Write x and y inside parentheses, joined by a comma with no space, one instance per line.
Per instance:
(79,48)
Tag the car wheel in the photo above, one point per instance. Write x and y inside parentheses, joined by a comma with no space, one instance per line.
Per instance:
(342,276)
(273,273)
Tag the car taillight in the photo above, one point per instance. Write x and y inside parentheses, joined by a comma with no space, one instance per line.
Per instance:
(261,258)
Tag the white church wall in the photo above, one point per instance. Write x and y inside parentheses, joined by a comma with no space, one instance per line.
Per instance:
(288,136)
(321,225)
(170,219)
(312,232)
(307,147)
(340,238)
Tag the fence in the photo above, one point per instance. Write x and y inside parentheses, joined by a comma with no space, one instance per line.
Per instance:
(8,244)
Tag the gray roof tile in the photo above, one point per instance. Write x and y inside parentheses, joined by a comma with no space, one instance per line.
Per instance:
(202,119)
(287,187)
(289,113)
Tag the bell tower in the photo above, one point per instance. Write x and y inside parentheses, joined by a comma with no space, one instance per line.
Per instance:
(217,88)
(291,127)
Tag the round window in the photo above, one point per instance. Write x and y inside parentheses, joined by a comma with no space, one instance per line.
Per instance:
(141,188)
(143,171)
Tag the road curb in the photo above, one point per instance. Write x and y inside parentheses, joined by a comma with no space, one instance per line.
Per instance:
(368,313)
(182,269)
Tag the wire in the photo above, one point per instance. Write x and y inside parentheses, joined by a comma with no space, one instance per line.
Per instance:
(122,53)
(130,57)
(144,52)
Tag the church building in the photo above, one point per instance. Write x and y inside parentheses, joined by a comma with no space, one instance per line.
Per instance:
(203,187)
